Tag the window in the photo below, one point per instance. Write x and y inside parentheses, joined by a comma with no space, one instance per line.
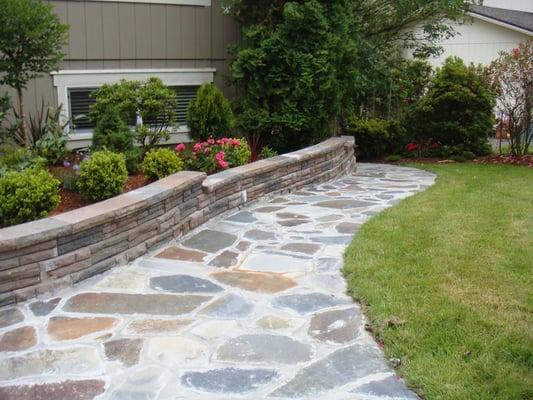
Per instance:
(80,102)
(79,106)
(204,3)
(184,94)
(74,88)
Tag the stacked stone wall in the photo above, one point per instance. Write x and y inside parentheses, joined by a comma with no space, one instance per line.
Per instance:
(62,250)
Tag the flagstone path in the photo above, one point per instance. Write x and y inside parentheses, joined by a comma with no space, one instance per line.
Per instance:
(249,306)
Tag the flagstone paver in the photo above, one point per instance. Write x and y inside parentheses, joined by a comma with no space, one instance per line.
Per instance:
(251,305)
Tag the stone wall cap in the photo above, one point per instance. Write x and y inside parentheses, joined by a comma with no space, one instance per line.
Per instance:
(30,233)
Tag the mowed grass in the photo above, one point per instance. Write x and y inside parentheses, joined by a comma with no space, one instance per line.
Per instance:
(446,280)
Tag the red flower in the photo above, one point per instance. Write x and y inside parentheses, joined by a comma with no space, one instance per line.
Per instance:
(411,146)
(235,142)
(516,51)
(180,147)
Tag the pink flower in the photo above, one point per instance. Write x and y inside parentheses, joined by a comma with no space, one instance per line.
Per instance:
(207,150)
(223,164)
(197,147)
(210,141)
(220,156)
(235,142)
(516,51)
(180,147)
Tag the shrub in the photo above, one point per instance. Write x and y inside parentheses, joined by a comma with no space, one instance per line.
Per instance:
(394,158)
(267,152)
(111,133)
(215,155)
(27,195)
(160,163)
(15,158)
(457,108)
(209,114)
(237,152)
(133,159)
(102,176)
(376,137)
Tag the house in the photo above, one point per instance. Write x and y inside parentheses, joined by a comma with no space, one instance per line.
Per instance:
(183,42)
(498,25)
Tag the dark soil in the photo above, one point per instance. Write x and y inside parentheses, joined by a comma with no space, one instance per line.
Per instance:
(72,200)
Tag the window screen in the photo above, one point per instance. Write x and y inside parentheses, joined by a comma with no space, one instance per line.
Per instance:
(80,103)
(184,94)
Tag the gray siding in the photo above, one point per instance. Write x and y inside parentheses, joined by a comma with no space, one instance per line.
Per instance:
(117,35)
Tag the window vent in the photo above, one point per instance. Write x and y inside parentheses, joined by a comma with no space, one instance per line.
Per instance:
(80,102)
(184,94)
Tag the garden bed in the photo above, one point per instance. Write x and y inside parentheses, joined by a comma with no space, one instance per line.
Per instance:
(504,159)
(66,248)
(71,200)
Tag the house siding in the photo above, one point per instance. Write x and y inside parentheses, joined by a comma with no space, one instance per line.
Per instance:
(121,35)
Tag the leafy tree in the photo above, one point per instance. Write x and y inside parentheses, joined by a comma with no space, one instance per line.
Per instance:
(457,108)
(152,101)
(304,63)
(512,79)
(209,115)
(383,29)
(30,45)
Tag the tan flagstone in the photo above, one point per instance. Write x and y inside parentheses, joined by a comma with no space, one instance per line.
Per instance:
(149,326)
(68,328)
(18,339)
(255,281)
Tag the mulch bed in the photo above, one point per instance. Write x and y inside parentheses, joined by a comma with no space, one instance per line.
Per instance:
(504,159)
(72,200)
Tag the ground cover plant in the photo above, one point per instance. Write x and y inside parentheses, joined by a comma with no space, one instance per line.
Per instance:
(445,277)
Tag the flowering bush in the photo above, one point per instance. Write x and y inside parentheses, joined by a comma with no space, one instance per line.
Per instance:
(411,146)
(69,175)
(215,155)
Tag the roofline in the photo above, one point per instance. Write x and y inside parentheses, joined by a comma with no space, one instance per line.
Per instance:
(500,23)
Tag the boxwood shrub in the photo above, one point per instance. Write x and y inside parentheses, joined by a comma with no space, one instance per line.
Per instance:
(160,163)
(27,195)
(102,176)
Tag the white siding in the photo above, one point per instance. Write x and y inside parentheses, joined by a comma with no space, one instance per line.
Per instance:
(479,42)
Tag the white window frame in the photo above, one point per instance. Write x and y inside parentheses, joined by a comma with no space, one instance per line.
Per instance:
(79,79)
(203,3)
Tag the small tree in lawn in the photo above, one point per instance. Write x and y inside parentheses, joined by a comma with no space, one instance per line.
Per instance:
(511,77)
(30,45)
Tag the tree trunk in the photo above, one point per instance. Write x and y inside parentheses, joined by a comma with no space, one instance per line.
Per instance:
(23,127)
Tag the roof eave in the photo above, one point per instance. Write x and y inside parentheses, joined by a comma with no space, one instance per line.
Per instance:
(500,23)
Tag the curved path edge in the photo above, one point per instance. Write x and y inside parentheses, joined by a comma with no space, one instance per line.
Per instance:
(250,305)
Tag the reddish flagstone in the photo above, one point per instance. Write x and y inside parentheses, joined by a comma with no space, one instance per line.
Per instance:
(66,390)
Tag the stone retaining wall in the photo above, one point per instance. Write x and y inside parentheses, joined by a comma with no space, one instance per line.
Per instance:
(43,255)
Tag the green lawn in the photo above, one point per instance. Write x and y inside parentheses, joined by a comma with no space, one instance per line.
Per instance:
(455,264)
